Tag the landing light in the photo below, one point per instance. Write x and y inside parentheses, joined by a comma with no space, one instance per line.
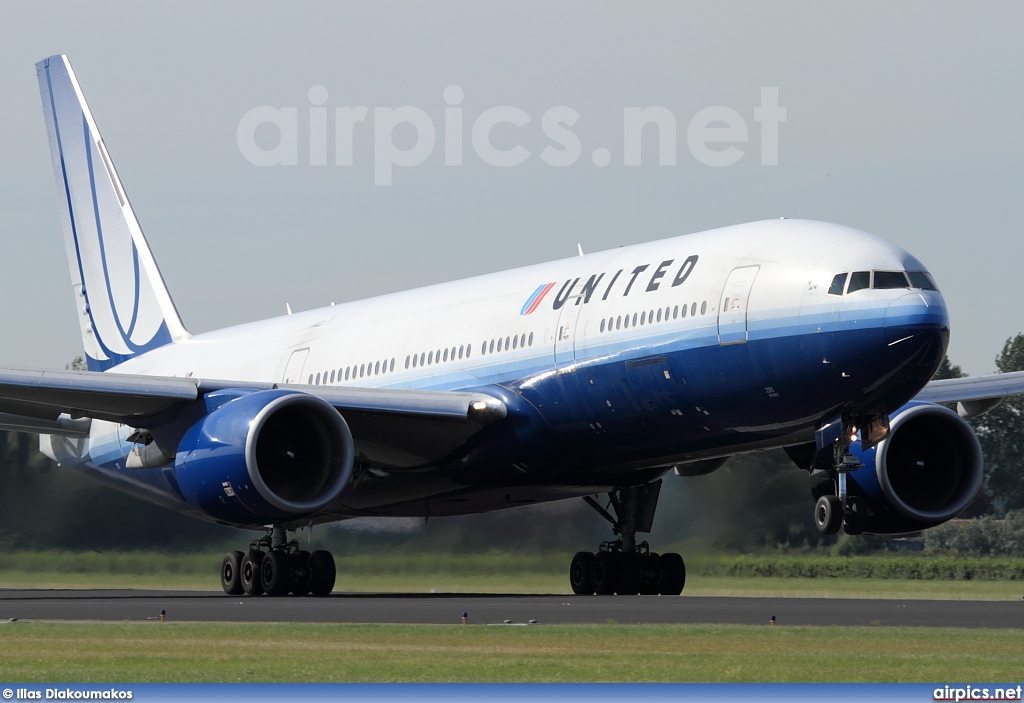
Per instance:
(480,405)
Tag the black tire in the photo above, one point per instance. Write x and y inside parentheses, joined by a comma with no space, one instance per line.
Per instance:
(322,573)
(231,573)
(828,515)
(854,516)
(300,574)
(602,573)
(275,574)
(580,574)
(650,574)
(250,576)
(673,574)
(627,573)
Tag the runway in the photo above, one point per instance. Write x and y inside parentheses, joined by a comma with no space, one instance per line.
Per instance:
(485,609)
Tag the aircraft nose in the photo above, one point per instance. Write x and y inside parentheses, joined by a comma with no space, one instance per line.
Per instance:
(916,323)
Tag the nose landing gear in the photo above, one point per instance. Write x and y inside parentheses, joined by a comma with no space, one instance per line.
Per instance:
(622,566)
(835,507)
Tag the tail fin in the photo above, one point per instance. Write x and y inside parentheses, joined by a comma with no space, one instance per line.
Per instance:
(124,308)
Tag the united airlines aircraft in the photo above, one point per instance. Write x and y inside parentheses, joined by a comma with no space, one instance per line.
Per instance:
(593,378)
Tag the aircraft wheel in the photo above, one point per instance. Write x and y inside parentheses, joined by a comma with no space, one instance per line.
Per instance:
(250,574)
(673,574)
(627,573)
(322,573)
(231,573)
(828,515)
(275,574)
(580,574)
(602,573)
(854,516)
(300,574)
(650,574)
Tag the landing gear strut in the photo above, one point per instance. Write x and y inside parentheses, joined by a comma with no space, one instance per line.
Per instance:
(622,566)
(835,508)
(277,567)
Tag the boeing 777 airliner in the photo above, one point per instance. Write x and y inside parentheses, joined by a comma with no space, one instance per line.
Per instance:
(591,376)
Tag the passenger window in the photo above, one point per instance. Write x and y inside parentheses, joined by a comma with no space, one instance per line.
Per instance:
(490,347)
(659,314)
(423,358)
(522,340)
(515,342)
(618,322)
(887,280)
(462,349)
(685,309)
(310,380)
(392,366)
(446,355)
(643,317)
(859,280)
(634,319)
(506,343)
(469,350)
(408,360)
(376,368)
(430,358)
(318,379)
(675,312)
(838,284)
(920,279)
(703,307)
(693,309)
(362,370)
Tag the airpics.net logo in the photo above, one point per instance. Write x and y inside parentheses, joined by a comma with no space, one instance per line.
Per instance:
(712,134)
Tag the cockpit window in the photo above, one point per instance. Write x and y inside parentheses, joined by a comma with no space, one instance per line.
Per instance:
(859,280)
(890,279)
(838,284)
(920,279)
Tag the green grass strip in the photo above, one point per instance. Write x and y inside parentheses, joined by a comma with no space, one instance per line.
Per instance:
(178,652)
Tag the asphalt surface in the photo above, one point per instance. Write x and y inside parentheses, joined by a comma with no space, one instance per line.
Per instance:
(201,606)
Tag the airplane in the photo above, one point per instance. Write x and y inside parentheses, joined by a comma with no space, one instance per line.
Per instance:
(591,378)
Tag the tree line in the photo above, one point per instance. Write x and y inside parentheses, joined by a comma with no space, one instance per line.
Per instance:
(755,501)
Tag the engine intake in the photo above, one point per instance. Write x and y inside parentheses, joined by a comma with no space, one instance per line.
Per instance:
(924,473)
(263,456)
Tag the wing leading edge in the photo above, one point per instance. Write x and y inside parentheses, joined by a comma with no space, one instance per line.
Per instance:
(974,395)
(394,425)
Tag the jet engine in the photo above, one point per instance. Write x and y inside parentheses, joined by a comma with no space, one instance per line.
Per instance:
(922,474)
(261,457)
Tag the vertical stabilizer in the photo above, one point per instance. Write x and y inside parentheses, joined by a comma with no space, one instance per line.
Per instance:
(123,305)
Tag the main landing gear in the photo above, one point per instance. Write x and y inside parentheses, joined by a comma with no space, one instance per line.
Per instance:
(277,567)
(624,567)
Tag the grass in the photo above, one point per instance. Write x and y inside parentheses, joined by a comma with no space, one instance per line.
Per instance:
(176,652)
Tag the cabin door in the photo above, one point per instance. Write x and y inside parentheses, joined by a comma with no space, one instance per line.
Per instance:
(732,312)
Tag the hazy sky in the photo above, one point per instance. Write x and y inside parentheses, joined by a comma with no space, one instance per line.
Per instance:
(906,120)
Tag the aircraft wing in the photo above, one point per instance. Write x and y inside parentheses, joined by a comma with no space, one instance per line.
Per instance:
(396,427)
(973,394)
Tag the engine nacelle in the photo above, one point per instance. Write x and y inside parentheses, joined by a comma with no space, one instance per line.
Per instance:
(922,474)
(260,457)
